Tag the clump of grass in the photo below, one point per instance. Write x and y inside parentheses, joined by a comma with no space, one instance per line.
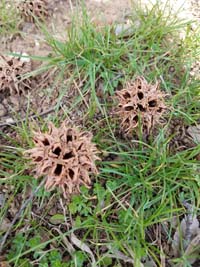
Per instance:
(9,18)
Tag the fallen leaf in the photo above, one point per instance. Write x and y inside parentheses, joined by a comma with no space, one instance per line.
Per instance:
(4,264)
(9,120)
(2,110)
(150,263)
(57,219)
(4,225)
(187,230)
(193,250)
(194,132)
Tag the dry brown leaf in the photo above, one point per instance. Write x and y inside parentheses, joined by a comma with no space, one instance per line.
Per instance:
(193,250)
(139,103)
(4,263)
(65,156)
(194,132)
(185,234)
(150,263)
(4,224)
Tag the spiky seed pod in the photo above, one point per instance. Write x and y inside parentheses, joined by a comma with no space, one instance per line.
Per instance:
(35,8)
(11,71)
(139,103)
(65,156)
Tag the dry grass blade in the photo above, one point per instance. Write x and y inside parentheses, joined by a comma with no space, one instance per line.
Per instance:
(69,246)
(83,247)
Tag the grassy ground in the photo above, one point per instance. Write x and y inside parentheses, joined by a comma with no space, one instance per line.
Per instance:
(127,217)
(9,18)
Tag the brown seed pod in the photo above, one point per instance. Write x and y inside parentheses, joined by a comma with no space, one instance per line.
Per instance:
(11,71)
(35,8)
(139,104)
(65,156)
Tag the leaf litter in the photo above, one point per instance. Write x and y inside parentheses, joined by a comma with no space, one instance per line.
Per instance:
(194,132)
(186,240)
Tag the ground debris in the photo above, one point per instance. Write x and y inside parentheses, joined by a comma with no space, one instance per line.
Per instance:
(194,132)
(3,263)
(140,103)
(179,137)
(186,240)
(66,156)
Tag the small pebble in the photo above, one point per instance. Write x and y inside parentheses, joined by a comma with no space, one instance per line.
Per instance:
(2,110)
(9,120)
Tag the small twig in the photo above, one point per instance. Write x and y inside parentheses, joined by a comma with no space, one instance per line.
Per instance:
(65,215)
(77,87)
(18,214)
(71,6)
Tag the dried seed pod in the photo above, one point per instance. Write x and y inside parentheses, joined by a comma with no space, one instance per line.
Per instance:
(30,9)
(11,71)
(139,103)
(65,156)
